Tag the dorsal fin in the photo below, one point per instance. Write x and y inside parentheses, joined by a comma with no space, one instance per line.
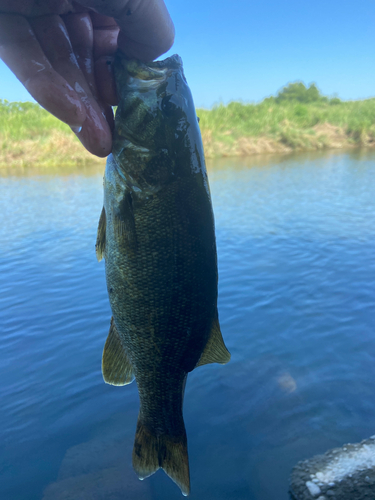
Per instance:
(116,366)
(100,239)
(215,350)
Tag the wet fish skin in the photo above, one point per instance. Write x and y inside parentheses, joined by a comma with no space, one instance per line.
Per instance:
(156,233)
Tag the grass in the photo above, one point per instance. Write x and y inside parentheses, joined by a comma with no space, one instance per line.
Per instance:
(296,119)
(287,125)
(29,136)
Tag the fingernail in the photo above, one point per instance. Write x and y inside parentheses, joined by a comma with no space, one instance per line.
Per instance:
(76,130)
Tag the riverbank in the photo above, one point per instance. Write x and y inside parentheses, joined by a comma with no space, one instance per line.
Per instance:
(30,136)
(275,126)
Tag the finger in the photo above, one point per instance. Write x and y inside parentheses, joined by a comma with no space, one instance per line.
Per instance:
(80,30)
(53,38)
(30,8)
(22,53)
(96,135)
(105,80)
(100,20)
(105,46)
(54,41)
(105,41)
(146,29)
(81,36)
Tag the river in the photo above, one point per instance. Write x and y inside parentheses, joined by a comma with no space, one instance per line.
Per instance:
(296,252)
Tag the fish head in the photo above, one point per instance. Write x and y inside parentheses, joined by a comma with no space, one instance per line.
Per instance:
(157,137)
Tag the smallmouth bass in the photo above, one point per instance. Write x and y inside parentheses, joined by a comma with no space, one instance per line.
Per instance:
(156,234)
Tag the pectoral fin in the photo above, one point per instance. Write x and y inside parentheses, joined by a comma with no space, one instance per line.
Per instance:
(124,223)
(116,366)
(215,350)
(100,239)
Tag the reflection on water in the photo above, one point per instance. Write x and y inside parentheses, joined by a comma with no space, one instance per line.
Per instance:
(54,171)
(295,237)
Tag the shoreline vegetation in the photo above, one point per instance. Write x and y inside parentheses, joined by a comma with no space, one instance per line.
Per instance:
(297,119)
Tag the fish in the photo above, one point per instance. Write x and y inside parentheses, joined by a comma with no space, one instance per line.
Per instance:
(157,235)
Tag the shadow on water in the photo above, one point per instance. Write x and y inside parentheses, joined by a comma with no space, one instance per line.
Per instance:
(296,239)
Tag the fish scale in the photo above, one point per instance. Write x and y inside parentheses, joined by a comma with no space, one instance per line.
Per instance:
(156,233)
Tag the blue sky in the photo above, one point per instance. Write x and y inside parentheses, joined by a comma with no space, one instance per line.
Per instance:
(244,50)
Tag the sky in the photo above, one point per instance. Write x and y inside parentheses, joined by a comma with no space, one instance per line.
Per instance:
(247,51)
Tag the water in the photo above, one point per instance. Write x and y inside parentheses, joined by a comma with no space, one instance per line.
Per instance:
(296,241)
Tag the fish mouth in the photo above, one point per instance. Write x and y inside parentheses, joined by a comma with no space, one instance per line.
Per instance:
(151,70)
(172,62)
(135,73)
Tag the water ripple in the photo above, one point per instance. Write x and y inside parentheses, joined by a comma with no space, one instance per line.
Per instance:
(296,242)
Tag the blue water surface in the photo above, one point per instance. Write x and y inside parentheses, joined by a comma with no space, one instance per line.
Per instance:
(296,250)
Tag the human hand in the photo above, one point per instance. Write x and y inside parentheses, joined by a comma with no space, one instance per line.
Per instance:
(62,52)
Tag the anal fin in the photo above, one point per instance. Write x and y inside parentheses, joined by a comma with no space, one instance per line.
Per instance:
(116,366)
(215,350)
(100,239)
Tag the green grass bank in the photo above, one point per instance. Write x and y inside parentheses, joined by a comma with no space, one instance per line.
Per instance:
(297,119)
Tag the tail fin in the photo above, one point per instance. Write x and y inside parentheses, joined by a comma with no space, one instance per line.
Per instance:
(152,452)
